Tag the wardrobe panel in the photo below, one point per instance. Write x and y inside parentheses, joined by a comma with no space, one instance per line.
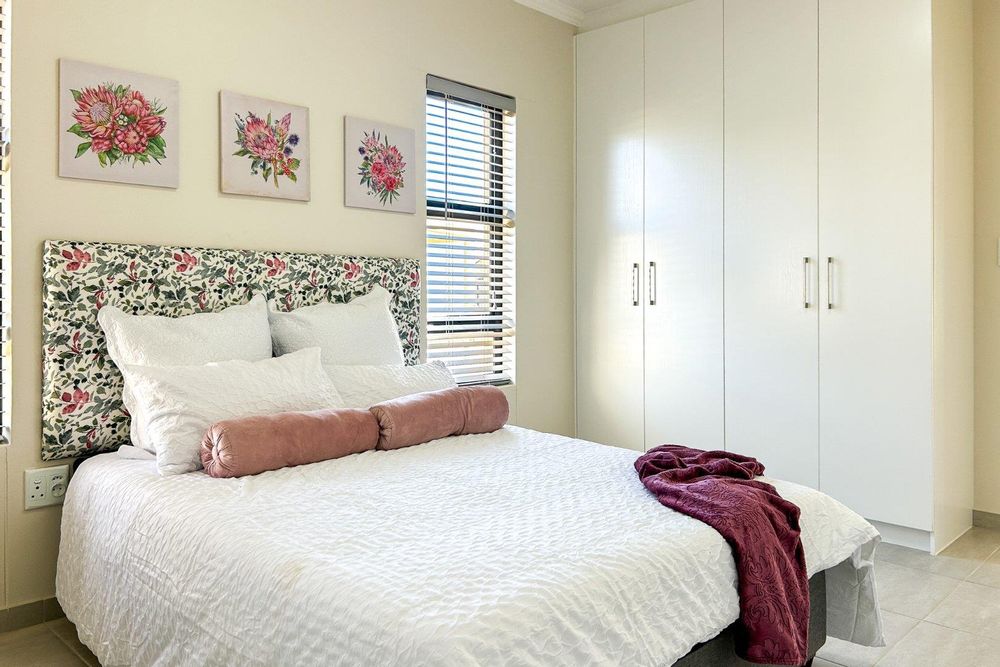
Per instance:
(609,233)
(683,214)
(771,364)
(876,226)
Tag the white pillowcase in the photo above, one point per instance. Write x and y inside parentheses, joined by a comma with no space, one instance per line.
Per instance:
(178,403)
(237,332)
(364,386)
(361,331)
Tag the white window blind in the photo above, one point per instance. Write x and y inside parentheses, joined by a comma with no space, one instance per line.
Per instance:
(4,220)
(470,231)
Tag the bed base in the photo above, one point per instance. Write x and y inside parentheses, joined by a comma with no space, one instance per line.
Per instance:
(720,651)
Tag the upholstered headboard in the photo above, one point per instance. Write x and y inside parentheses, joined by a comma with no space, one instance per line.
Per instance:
(81,388)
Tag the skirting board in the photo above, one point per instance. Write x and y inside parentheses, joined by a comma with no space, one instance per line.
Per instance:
(32,613)
(985,519)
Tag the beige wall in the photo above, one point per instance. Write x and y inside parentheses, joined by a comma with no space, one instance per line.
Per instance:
(987,290)
(337,57)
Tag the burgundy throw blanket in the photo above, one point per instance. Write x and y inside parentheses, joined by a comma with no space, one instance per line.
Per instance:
(763,530)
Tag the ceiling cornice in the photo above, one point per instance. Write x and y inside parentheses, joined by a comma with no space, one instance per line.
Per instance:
(556,9)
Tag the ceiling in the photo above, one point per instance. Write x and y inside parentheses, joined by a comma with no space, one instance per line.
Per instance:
(590,14)
(570,11)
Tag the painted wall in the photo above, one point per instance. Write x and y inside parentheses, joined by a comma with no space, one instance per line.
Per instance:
(987,290)
(336,57)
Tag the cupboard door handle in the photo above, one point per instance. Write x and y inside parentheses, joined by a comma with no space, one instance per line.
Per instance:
(829,283)
(805,282)
(652,283)
(635,284)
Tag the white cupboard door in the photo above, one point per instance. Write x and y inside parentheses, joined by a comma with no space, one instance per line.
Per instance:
(609,118)
(875,223)
(770,234)
(683,213)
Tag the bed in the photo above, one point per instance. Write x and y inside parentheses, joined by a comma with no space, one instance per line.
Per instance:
(512,547)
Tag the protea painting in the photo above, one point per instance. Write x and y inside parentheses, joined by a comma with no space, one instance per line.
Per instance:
(382,167)
(118,124)
(269,145)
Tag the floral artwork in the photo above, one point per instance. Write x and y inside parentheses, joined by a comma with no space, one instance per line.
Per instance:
(377,167)
(382,168)
(265,149)
(82,409)
(117,125)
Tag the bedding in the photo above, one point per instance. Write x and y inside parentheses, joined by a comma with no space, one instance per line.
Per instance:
(513,547)
(364,386)
(361,331)
(418,418)
(252,445)
(178,403)
(722,489)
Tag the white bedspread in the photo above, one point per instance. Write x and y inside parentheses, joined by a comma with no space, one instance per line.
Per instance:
(515,547)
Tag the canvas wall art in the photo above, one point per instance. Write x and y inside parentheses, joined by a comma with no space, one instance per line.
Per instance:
(378,166)
(265,147)
(116,125)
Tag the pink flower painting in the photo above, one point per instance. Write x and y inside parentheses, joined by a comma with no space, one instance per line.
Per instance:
(116,125)
(378,166)
(269,146)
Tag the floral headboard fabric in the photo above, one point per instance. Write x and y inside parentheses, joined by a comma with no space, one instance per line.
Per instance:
(82,409)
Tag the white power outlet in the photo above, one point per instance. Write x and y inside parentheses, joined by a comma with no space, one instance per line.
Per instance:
(45,486)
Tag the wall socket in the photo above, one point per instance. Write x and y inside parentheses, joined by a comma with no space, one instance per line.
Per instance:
(45,486)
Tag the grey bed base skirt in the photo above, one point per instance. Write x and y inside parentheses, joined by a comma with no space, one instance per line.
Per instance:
(720,651)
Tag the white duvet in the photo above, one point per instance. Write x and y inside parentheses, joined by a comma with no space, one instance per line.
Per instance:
(513,548)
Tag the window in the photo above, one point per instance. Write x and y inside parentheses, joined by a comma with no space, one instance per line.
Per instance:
(470,231)
(4,220)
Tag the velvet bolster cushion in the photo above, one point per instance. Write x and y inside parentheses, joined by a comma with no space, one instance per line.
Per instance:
(251,445)
(417,418)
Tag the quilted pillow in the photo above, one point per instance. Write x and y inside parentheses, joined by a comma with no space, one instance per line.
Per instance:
(178,403)
(364,386)
(361,331)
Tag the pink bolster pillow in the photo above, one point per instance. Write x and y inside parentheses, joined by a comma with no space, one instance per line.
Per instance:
(247,446)
(417,418)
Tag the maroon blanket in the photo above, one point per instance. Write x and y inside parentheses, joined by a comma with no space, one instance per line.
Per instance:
(763,530)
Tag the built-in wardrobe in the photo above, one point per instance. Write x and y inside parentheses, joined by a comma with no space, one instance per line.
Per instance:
(774,242)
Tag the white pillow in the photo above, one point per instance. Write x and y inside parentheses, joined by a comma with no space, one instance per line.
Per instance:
(237,332)
(178,403)
(364,386)
(361,331)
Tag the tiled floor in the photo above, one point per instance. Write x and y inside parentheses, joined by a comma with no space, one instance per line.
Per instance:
(940,611)
(52,644)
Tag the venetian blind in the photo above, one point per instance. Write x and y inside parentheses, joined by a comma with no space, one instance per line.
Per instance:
(470,231)
(4,220)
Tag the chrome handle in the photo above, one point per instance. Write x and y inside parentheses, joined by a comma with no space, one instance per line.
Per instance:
(805,282)
(635,284)
(652,283)
(829,283)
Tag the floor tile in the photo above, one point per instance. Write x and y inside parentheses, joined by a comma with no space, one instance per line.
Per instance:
(977,544)
(66,631)
(820,662)
(988,574)
(35,647)
(944,565)
(910,592)
(847,654)
(972,608)
(935,646)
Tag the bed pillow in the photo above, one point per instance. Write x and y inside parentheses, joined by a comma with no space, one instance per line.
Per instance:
(361,331)
(364,386)
(418,418)
(237,332)
(252,445)
(178,403)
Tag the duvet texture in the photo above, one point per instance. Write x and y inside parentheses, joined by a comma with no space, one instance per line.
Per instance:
(513,547)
